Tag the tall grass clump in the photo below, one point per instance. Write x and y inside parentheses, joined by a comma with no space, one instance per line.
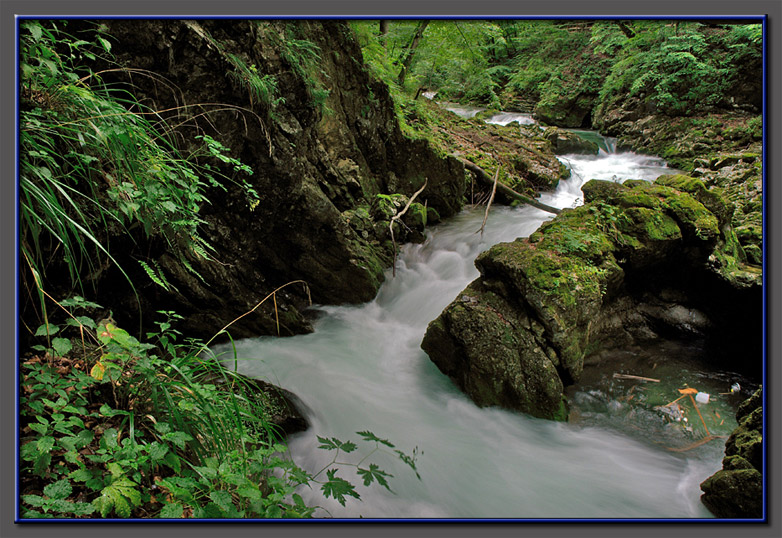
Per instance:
(94,164)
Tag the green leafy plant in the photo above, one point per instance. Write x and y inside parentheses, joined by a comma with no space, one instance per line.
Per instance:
(262,89)
(125,428)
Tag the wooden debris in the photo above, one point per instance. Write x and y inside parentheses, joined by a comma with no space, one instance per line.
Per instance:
(491,199)
(636,378)
(398,216)
(484,178)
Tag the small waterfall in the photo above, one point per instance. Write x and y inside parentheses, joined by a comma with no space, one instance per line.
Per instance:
(506,118)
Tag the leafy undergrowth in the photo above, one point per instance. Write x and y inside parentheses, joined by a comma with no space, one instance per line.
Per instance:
(112,427)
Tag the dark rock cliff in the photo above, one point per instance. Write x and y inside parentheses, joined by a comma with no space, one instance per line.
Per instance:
(324,144)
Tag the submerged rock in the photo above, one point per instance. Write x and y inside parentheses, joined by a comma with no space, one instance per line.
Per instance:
(736,491)
(286,410)
(637,262)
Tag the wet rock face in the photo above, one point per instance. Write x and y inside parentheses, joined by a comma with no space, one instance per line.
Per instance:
(569,111)
(326,143)
(736,491)
(477,342)
(639,261)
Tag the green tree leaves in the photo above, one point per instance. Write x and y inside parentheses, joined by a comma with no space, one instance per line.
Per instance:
(338,488)
(335,444)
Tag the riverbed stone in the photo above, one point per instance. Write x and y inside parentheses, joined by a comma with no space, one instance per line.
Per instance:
(736,491)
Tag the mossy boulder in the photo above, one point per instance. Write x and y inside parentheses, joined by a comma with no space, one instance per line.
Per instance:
(722,149)
(636,262)
(736,491)
(566,142)
(478,345)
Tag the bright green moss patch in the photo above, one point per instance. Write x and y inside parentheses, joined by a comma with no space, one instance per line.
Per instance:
(649,224)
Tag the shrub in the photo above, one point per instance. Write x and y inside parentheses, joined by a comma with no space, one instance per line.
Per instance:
(124,428)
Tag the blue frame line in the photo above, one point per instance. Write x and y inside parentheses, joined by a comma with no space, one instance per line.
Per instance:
(763,19)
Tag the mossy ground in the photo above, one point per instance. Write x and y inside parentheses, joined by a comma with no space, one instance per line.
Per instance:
(526,159)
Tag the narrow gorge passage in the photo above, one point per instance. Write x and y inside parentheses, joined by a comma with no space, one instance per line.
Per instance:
(363,369)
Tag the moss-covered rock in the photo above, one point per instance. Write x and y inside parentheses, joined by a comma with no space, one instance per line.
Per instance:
(477,344)
(736,493)
(595,276)
(723,150)
(737,490)
(566,142)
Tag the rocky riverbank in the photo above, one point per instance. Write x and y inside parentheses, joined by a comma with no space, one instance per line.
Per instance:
(637,262)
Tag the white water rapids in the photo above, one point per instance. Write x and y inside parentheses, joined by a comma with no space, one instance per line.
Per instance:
(363,369)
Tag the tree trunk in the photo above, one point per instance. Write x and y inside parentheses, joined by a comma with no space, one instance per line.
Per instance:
(484,178)
(383,32)
(406,58)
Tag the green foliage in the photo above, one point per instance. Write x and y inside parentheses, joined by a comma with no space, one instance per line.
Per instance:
(609,218)
(382,62)
(681,68)
(156,274)
(546,53)
(674,67)
(161,430)
(304,58)
(262,89)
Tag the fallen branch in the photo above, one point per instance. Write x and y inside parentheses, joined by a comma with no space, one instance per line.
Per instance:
(483,177)
(491,199)
(635,377)
(396,218)
(699,414)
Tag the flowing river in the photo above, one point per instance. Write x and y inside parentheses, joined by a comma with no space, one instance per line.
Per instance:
(363,369)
